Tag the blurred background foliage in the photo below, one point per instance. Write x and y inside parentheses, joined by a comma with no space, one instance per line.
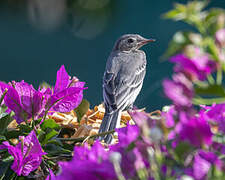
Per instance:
(38,36)
(207,37)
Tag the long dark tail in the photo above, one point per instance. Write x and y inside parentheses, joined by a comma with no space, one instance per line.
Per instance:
(109,123)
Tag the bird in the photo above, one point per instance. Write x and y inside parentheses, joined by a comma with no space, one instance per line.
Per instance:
(123,79)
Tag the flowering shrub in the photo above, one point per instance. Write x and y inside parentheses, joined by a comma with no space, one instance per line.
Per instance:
(30,107)
(186,141)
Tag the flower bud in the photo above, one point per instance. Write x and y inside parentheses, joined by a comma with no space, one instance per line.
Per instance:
(156,134)
(115,157)
(220,37)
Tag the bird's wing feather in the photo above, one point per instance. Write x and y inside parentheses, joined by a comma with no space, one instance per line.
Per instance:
(121,79)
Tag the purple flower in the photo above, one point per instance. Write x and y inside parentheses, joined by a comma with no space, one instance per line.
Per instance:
(202,162)
(200,167)
(24,100)
(178,93)
(220,37)
(216,113)
(88,164)
(27,154)
(196,130)
(67,93)
(198,67)
(169,117)
(127,134)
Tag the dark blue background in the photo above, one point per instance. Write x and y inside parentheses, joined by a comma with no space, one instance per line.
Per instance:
(36,41)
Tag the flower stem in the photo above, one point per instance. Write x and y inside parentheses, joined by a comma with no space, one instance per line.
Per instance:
(118,171)
(219,76)
(210,79)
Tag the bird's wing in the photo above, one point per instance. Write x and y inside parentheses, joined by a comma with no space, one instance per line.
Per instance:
(121,79)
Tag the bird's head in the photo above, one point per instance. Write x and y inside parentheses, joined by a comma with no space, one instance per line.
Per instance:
(131,42)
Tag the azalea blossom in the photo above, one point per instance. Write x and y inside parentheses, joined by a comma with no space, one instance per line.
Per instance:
(27,154)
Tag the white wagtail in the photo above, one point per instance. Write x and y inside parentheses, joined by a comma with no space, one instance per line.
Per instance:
(123,79)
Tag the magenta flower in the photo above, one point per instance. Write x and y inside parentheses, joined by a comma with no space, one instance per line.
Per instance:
(216,113)
(178,93)
(27,154)
(67,93)
(169,117)
(202,163)
(196,130)
(127,134)
(198,67)
(87,164)
(24,100)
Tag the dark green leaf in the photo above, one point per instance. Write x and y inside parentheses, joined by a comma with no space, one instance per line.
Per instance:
(3,169)
(56,142)
(53,150)
(182,149)
(49,123)
(24,128)
(49,136)
(12,134)
(5,119)
(82,109)
(210,89)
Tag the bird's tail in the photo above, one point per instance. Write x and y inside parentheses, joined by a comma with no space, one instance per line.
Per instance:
(109,122)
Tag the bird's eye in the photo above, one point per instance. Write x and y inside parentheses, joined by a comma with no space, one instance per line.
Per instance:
(130,40)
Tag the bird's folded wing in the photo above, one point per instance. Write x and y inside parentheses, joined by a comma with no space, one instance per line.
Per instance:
(120,84)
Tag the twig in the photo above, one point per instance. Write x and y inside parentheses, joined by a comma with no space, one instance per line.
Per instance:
(81,139)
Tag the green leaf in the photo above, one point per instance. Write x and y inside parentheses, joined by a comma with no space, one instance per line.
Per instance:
(178,13)
(207,101)
(210,45)
(82,109)
(4,167)
(5,120)
(212,22)
(12,134)
(8,159)
(49,123)
(219,138)
(210,89)
(24,128)
(182,149)
(55,150)
(49,136)
(177,44)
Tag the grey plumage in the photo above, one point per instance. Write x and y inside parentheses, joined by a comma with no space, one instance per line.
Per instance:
(123,79)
